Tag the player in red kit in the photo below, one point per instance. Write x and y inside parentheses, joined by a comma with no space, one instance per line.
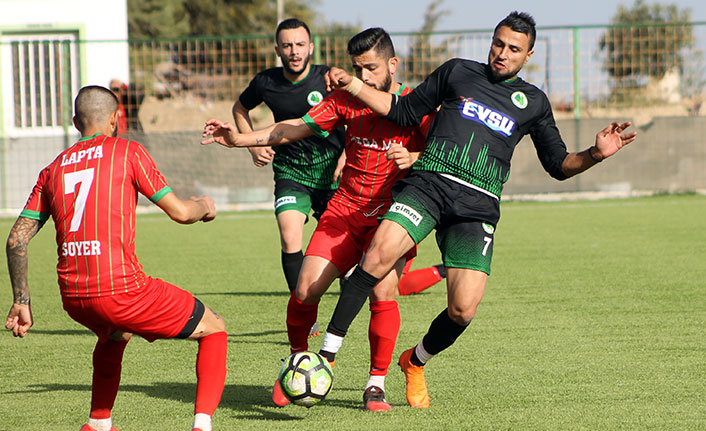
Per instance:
(378,153)
(90,191)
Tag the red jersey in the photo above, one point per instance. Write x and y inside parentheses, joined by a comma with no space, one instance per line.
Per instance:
(368,176)
(90,191)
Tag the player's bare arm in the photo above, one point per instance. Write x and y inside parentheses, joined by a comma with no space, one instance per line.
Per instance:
(280,133)
(18,240)
(188,211)
(608,142)
(378,101)
(19,319)
(261,156)
(401,156)
(339,167)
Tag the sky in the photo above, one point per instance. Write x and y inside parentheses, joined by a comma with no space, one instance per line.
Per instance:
(408,15)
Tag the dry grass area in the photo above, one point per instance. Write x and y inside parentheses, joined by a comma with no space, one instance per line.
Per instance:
(187,112)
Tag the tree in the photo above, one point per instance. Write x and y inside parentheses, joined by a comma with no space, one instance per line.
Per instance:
(188,18)
(646,41)
(424,56)
(156,18)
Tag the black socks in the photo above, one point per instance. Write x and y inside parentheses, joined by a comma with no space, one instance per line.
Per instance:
(291,265)
(354,293)
(442,333)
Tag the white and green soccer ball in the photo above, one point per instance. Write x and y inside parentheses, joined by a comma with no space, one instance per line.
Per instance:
(305,378)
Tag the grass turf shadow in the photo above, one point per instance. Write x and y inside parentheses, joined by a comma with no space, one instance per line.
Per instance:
(251,402)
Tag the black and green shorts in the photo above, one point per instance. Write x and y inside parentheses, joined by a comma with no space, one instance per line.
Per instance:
(464,218)
(291,195)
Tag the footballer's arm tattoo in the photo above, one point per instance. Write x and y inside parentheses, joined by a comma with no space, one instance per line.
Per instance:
(218,316)
(272,139)
(279,135)
(16,249)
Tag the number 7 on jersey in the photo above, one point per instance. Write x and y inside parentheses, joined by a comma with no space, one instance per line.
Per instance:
(84,180)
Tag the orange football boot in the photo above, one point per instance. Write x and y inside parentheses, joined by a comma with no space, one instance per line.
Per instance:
(278,396)
(417,395)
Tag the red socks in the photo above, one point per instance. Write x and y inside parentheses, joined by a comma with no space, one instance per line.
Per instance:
(407,267)
(107,364)
(419,280)
(210,372)
(300,318)
(382,333)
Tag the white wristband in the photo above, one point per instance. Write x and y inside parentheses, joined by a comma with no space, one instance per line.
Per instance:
(355,86)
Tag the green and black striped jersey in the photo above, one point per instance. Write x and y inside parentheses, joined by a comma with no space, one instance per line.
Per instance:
(311,161)
(479,123)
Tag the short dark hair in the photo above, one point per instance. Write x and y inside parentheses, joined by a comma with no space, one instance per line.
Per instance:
(373,38)
(290,24)
(521,22)
(94,105)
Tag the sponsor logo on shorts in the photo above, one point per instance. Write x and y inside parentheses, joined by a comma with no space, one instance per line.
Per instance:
(519,99)
(314,98)
(285,200)
(488,228)
(494,120)
(408,212)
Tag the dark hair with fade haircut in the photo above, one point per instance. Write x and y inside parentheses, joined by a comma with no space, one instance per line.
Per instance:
(290,24)
(94,105)
(373,38)
(521,22)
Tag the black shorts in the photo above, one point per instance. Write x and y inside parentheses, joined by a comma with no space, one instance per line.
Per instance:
(291,195)
(463,217)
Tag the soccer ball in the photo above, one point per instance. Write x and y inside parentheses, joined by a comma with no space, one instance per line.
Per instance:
(305,378)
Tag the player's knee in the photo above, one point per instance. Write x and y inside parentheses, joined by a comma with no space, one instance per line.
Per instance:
(291,242)
(305,291)
(307,294)
(310,287)
(383,292)
(291,236)
(212,322)
(120,336)
(462,315)
(219,325)
(379,260)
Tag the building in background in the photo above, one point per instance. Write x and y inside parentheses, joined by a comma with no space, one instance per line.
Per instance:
(45,58)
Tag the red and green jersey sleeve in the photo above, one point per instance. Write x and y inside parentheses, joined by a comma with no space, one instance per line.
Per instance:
(148,179)
(37,206)
(368,176)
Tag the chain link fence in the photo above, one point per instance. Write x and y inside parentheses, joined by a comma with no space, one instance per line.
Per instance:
(651,75)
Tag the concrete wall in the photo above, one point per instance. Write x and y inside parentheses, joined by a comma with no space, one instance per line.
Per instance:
(669,155)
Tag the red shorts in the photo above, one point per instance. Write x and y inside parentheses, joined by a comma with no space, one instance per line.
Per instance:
(159,310)
(343,235)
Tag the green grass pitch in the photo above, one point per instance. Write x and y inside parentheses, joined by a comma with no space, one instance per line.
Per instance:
(594,318)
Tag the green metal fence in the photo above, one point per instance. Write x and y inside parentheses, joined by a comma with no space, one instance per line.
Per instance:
(588,67)
(648,74)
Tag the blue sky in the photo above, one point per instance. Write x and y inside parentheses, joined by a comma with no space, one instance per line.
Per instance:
(407,15)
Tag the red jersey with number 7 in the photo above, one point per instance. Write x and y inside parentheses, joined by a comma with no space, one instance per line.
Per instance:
(368,176)
(90,190)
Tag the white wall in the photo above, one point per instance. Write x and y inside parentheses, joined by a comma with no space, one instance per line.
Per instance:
(99,20)
(102,24)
